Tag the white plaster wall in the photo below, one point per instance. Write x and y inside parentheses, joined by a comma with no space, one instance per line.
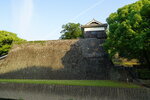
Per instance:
(94,29)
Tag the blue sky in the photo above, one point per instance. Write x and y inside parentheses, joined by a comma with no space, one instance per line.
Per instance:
(42,19)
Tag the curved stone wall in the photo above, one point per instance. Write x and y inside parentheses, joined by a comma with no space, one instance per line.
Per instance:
(57,59)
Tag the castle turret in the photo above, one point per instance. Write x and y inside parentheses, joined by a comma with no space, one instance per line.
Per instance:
(94,29)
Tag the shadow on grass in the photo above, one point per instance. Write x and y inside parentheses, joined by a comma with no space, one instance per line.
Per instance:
(9,99)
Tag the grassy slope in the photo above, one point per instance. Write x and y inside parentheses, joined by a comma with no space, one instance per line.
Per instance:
(100,83)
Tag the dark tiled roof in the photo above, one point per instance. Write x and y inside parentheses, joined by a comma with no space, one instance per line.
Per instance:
(94,23)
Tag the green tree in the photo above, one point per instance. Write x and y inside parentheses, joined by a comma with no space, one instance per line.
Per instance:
(6,40)
(129,32)
(71,31)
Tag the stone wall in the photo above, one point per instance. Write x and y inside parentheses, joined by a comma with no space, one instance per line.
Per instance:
(58,59)
(61,92)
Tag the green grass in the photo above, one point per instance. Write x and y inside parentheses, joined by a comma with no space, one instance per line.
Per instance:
(99,83)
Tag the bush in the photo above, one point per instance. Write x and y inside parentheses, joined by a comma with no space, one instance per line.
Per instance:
(143,73)
(6,40)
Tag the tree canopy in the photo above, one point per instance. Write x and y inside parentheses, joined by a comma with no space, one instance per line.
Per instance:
(6,40)
(71,31)
(129,31)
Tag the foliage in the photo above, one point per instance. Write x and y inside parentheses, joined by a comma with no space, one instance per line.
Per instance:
(71,31)
(129,32)
(6,40)
(143,73)
(124,62)
(99,83)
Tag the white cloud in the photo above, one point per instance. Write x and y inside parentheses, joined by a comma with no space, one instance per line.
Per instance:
(22,11)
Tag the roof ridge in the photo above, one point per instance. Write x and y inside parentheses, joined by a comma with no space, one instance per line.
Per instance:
(93,20)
